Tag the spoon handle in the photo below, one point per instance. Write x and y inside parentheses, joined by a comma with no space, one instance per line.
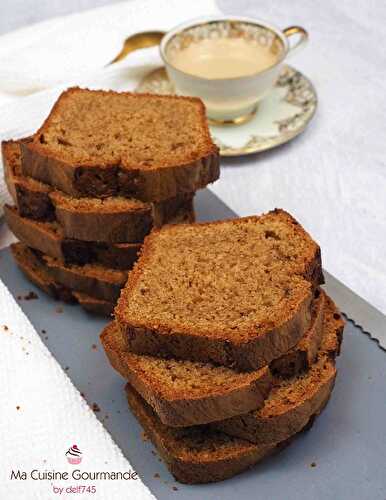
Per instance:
(138,41)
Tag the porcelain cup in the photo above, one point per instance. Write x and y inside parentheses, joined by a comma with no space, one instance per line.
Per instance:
(235,99)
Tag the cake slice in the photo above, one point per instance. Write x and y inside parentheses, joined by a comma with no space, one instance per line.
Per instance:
(186,393)
(236,293)
(32,267)
(93,279)
(48,238)
(207,453)
(200,454)
(289,404)
(111,220)
(30,196)
(103,143)
(115,219)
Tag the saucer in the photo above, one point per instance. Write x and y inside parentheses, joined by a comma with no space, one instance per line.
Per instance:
(282,115)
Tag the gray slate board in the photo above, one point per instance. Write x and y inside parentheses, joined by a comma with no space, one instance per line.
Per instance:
(347,442)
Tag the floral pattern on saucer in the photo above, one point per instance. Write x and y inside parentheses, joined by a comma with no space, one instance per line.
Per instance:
(282,115)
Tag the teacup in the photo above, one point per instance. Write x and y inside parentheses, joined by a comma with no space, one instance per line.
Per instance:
(231,63)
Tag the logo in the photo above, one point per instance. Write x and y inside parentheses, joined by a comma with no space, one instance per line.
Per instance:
(76,481)
(74,455)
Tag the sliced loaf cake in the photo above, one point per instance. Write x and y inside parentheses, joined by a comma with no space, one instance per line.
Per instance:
(237,293)
(101,144)
(93,279)
(303,355)
(111,220)
(48,237)
(186,393)
(207,453)
(200,454)
(35,271)
(289,404)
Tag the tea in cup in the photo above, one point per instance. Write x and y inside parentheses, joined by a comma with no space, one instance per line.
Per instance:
(230,63)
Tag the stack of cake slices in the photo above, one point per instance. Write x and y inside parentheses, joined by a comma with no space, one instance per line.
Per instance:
(102,171)
(226,340)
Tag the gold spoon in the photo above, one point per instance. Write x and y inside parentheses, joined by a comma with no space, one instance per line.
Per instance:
(138,41)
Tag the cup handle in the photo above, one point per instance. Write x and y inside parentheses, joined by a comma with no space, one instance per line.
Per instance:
(303,38)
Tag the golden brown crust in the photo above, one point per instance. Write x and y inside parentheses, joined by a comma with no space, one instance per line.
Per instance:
(90,179)
(30,265)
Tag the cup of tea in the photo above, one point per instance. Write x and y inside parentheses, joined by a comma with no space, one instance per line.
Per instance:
(231,63)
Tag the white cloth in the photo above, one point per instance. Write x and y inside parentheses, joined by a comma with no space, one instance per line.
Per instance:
(72,47)
(41,415)
(94,37)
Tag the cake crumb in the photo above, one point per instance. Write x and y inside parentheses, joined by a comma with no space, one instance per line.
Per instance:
(94,346)
(66,368)
(156,475)
(18,297)
(31,296)
(59,309)
(18,407)
(5,327)
(313,464)
(174,488)
(44,332)
(144,437)
(153,452)
(95,407)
